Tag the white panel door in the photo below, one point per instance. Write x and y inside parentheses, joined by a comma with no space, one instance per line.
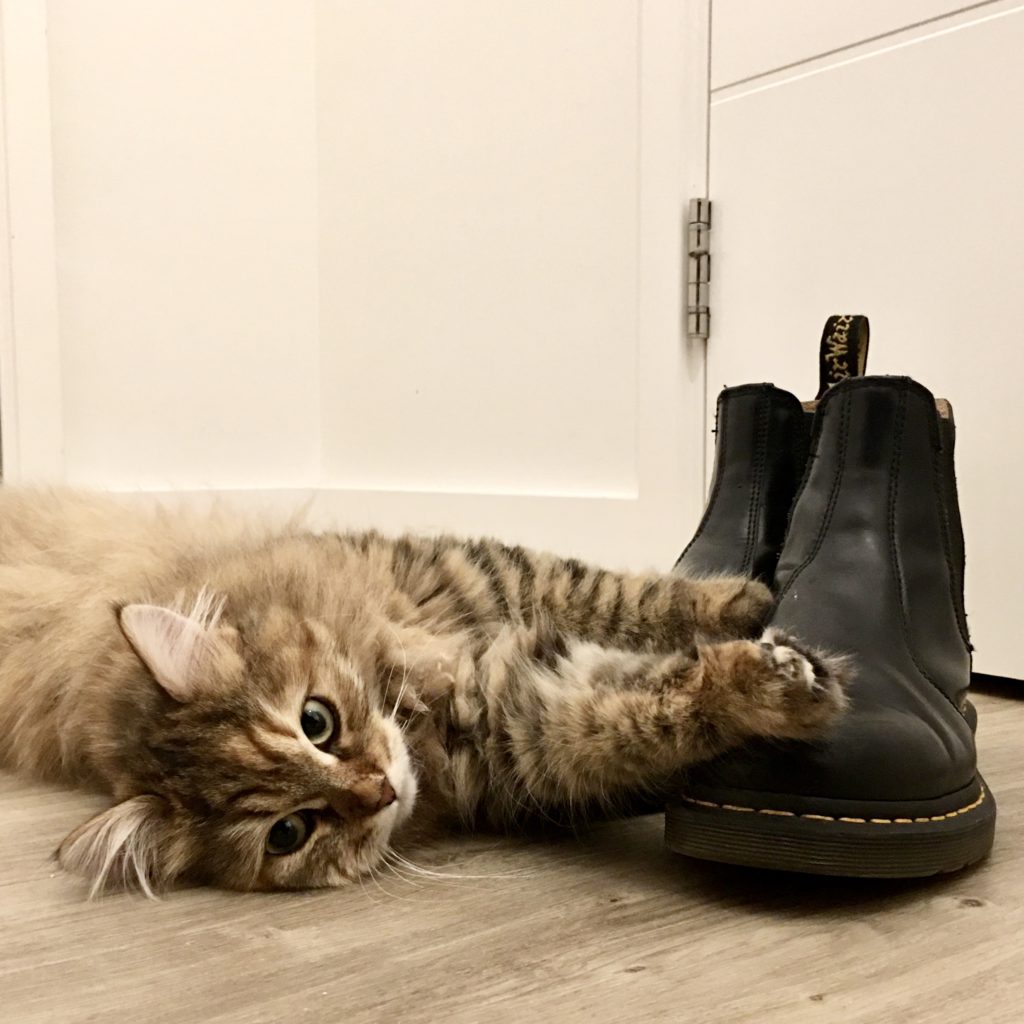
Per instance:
(752,38)
(889,184)
(418,263)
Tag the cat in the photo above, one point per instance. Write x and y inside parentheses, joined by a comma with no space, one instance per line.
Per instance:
(278,709)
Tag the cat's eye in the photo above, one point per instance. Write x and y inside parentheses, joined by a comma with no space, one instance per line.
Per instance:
(289,834)
(319,721)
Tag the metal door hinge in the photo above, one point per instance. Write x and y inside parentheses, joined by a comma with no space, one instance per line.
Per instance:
(698,269)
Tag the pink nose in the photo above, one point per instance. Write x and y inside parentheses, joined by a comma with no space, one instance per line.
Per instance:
(363,798)
(387,795)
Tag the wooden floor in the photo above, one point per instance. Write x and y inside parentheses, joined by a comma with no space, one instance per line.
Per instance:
(610,927)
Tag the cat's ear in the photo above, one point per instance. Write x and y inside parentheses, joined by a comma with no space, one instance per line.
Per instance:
(177,648)
(132,845)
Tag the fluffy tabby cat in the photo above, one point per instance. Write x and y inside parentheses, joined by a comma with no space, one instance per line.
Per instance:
(276,710)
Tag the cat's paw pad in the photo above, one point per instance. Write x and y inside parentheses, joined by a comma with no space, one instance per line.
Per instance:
(795,660)
(812,693)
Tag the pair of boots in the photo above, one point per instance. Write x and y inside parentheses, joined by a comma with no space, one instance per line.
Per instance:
(866,558)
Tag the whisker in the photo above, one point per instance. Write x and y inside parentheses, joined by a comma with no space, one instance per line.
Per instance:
(405,672)
(372,869)
(403,875)
(362,885)
(391,675)
(398,699)
(448,875)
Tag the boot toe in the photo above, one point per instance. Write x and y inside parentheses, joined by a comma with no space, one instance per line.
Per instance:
(906,760)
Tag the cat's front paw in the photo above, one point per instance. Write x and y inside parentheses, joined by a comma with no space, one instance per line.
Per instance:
(733,606)
(806,691)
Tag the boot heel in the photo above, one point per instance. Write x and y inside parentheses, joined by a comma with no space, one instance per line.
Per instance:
(876,847)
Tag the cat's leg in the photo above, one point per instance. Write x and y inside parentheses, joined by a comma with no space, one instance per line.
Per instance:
(479,586)
(620,609)
(562,725)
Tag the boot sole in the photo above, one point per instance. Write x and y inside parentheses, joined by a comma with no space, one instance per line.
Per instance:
(820,844)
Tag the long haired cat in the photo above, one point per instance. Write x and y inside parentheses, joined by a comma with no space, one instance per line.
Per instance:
(278,710)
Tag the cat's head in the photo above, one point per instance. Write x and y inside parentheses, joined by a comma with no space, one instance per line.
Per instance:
(254,756)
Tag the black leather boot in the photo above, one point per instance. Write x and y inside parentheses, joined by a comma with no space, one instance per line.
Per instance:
(872,566)
(760,452)
(762,436)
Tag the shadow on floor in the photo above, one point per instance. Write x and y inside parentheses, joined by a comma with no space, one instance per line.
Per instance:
(776,893)
(997,686)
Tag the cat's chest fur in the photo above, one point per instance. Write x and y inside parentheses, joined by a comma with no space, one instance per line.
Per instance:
(436,686)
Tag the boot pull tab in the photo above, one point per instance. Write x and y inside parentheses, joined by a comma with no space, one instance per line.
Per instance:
(844,350)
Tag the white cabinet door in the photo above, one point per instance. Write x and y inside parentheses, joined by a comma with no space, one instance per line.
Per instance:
(419,263)
(751,39)
(889,183)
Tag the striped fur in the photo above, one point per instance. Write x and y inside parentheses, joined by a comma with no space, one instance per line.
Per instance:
(484,684)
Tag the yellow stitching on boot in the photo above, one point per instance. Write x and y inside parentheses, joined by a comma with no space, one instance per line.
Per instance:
(852,821)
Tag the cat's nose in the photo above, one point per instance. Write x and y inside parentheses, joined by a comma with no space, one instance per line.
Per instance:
(363,798)
(387,795)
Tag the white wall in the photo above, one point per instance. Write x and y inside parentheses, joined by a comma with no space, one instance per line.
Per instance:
(419,262)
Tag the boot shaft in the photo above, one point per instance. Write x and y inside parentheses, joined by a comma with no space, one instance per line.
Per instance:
(874,550)
(760,453)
